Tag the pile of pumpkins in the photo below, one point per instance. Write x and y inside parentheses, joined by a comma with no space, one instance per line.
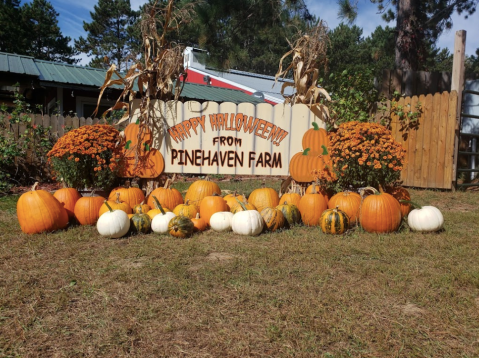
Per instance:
(165,211)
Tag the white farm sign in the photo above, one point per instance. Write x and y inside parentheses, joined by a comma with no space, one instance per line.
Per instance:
(212,138)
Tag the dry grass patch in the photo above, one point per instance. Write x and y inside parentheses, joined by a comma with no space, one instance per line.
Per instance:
(295,293)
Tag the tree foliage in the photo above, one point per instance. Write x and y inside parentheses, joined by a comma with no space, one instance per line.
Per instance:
(32,30)
(110,34)
(247,34)
(418,24)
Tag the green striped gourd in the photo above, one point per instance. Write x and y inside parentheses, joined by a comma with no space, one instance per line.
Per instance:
(141,222)
(334,221)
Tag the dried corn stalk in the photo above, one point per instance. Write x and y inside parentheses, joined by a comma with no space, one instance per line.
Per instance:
(159,72)
(308,54)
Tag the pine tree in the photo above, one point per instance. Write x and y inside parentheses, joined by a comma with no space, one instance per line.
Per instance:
(418,24)
(32,30)
(43,35)
(109,34)
(10,25)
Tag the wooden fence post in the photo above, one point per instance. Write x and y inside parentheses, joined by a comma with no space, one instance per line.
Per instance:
(458,85)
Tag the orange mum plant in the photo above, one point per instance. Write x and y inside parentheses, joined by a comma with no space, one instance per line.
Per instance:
(363,154)
(84,157)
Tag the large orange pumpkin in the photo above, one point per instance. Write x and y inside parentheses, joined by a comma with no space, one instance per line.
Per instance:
(128,194)
(68,198)
(210,205)
(303,163)
(311,207)
(87,209)
(200,189)
(115,205)
(400,193)
(380,213)
(347,202)
(315,138)
(264,198)
(168,197)
(39,211)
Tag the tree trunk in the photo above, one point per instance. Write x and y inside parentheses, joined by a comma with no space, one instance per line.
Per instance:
(406,49)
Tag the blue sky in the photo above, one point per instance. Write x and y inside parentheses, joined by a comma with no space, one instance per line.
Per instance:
(73,13)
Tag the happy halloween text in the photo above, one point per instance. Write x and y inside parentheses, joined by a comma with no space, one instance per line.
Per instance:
(229,122)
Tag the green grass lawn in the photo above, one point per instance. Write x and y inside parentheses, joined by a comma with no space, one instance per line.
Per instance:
(296,293)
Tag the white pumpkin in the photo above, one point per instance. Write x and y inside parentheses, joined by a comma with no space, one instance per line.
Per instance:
(249,222)
(160,222)
(425,219)
(221,221)
(113,223)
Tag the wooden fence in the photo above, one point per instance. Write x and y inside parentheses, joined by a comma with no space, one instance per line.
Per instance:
(414,83)
(430,144)
(59,124)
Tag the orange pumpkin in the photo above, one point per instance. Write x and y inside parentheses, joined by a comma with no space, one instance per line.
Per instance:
(311,207)
(115,205)
(380,213)
(400,193)
(264,198)
(87,209)
(303,163)
(200,189)
(290,198)
(210,205)
(316,189)
(199,223)
(186,209)
(347,202)
(128,194)
(39,211)
(68,198)
(168,197)
(315,138)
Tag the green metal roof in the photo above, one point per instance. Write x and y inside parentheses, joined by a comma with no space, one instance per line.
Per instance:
(56,73)
(69,74)
(13,63)
(217,94)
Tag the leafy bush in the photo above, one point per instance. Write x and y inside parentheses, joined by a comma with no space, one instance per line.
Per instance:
(84,157)
(353,96)
(22,159)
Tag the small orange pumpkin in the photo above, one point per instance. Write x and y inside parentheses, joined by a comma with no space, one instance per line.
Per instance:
(115,205)
(347,202)
(168,197)
(158,208)
(231,199)
(210,205)
(128,194)
(199,223)
(87,209)
(68,198)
